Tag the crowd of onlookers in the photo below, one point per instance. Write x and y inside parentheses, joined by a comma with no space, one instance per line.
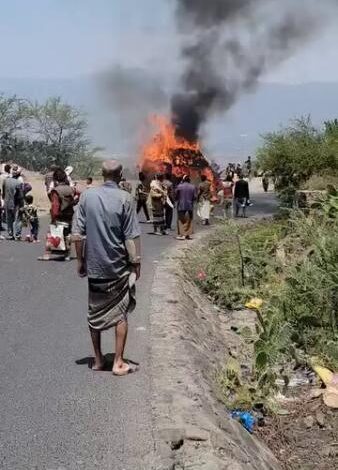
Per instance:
(158,197)
(17,207)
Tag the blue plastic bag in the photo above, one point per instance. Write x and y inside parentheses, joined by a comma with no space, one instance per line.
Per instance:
(245,418)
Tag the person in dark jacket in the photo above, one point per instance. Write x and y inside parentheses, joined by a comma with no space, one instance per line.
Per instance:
(241,196)
(186,195)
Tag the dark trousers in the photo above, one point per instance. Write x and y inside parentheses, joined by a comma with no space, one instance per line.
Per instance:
(143,205)
(10,218)
(18,223)
(35,229)
(169,212)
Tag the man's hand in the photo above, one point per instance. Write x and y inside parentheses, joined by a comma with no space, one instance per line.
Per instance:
(81,268)
(136,268)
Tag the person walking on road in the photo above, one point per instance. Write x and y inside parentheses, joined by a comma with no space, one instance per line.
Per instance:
(107,240)
(142,194)
(241,196)
(185,198)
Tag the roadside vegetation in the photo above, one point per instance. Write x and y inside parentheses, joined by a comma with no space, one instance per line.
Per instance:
(288,266)
(292,265)
(37,135)
(300,156)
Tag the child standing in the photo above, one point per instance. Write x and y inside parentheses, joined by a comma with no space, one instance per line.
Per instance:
(31,219)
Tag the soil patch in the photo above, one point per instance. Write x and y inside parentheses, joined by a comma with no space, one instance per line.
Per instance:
(307,438)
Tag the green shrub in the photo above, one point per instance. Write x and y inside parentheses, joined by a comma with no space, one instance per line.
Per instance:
(293,266)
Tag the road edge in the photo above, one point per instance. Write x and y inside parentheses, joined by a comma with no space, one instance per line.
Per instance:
(191,428)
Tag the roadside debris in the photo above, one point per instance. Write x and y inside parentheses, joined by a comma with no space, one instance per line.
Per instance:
(246,419)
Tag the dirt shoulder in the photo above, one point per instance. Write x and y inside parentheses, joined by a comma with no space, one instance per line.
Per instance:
(190,342)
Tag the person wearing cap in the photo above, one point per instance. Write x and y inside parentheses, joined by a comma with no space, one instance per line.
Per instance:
(107,240)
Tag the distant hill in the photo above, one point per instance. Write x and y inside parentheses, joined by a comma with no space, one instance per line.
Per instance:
(235,134)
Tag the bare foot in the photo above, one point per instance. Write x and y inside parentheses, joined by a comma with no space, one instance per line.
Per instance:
(98,365)
(123,369)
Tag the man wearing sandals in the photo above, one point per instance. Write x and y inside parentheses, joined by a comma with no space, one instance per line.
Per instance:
(107,239)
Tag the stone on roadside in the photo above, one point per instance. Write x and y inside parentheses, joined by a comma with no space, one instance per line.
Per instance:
(309,421)
(320,418)
(315,393)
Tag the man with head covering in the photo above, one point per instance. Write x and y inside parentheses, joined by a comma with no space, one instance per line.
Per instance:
(158,197)
(107,239)
(69,171)
(204,198)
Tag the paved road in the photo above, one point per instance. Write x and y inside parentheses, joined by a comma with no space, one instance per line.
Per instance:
(56,414)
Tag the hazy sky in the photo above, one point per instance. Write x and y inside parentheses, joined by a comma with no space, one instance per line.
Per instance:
(67,38)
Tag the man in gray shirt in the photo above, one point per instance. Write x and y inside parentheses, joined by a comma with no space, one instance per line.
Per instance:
(12,193)
(107,239)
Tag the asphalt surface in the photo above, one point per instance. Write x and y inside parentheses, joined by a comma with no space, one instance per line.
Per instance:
(56,413)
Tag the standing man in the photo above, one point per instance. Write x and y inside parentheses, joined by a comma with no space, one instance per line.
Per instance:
(169,206)
(19,201)
(89,182)
(204,197)
(12,193)
(110,257)
(158,197)
(3,176)
(185,197)
(142,194)
(248,165)
(49,179)
(241,195)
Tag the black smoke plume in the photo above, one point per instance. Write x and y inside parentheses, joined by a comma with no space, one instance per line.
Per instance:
(227,45)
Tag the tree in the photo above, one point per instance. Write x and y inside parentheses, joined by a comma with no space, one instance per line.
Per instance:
(14,118)
(37,135)
(62,130)
(297,152)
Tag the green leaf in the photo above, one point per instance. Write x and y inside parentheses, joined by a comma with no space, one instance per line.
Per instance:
(262,360)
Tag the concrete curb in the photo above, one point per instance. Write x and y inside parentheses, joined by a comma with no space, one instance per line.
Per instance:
(192,428)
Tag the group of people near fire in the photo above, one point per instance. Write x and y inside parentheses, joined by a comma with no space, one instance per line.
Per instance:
(156,196)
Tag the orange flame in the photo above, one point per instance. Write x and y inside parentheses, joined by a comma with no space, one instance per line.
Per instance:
(165,148)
